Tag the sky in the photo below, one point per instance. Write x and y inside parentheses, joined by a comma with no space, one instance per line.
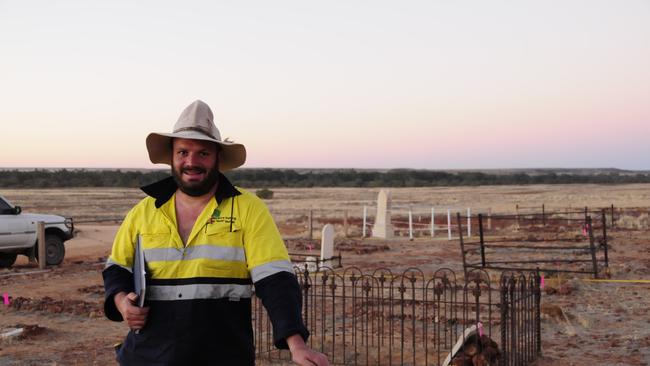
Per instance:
(330,84)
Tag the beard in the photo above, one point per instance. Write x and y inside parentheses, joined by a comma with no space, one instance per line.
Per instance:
(199,188)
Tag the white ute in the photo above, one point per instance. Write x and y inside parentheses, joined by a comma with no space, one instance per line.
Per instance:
(18,234)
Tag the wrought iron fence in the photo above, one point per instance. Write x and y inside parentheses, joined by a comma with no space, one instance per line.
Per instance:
(380,318)
(548,242)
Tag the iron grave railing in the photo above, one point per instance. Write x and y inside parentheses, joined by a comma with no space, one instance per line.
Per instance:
(571,242)
(380,318)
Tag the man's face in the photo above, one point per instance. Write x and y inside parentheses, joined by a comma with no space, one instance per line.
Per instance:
(195,165)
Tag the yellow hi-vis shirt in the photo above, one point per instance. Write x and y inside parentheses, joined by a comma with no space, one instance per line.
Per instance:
(232,242)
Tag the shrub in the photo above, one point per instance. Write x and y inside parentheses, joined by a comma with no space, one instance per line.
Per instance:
(264,193)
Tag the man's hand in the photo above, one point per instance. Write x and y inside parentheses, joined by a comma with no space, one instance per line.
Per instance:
(134,315)
(303,355)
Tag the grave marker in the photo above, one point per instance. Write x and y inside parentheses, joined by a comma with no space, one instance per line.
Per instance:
(327,246)
(383,227)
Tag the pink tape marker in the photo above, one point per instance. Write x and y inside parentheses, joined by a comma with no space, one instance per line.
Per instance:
(541,283)
(480,329)
(5,298)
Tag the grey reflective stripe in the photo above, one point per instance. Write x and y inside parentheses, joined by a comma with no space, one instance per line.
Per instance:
(195,252)
(110,262)
(270,268)
(200,291)
(18,232)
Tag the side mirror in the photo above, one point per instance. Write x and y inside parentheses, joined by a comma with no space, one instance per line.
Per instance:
(17,210)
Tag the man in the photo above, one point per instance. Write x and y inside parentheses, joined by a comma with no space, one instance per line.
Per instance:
(204,242)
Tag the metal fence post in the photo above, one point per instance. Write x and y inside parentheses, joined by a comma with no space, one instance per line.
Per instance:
(305,295)
(514,320)
(605,238)
(480,232)
(504,322)
(592,246)
(462,244)
(538,317)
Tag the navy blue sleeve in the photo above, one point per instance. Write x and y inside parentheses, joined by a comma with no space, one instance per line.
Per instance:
(281,296)
(116,279)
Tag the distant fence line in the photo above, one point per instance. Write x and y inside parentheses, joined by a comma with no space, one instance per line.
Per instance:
(421,220)
(435,220)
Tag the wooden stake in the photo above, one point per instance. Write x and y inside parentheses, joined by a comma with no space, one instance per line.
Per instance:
(40,230)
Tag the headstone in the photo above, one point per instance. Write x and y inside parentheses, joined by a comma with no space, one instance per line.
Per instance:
(383,227)
(327,246)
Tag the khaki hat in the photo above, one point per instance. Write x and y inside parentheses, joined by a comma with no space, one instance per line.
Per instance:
(196,123)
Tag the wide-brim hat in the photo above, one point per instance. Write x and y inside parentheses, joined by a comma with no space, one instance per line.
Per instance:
(196,123)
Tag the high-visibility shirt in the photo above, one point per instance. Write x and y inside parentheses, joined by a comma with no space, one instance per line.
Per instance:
(199,293)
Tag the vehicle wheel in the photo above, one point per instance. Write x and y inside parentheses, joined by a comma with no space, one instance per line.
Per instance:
(54,250)
(7,259)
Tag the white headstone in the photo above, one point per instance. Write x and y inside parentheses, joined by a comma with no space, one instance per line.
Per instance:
(383,227)
(327,246)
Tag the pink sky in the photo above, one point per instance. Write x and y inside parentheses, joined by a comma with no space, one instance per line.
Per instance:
(429,85)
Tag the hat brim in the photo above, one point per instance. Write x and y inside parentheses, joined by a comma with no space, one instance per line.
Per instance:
(159,146)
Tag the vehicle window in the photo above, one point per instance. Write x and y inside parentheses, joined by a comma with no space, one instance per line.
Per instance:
(5,209)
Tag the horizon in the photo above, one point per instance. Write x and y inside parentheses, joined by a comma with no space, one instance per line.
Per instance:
(423,85)
(507,170)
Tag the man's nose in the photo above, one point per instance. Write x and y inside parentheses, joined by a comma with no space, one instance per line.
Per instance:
(191,159)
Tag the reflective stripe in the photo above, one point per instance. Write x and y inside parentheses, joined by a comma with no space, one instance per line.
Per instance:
(195,252)
(270,268)
(199,291)
(18,232)
(110,262)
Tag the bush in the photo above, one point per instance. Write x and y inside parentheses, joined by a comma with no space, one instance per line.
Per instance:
(265,194)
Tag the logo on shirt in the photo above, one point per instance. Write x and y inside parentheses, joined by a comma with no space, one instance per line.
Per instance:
(216,217)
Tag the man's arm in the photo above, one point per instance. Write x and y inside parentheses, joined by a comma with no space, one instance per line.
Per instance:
(275,283)
(280,294)
(117,279)
(118,273)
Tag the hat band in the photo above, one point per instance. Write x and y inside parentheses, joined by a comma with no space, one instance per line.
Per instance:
(197,129)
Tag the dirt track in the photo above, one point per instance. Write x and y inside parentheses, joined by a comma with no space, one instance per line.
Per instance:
(584,323)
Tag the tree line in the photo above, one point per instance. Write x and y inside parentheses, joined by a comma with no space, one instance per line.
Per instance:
(270,178)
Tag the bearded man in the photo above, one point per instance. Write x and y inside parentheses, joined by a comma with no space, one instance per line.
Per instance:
(205,243)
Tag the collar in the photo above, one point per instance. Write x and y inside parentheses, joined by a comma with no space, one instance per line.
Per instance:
(163,190)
